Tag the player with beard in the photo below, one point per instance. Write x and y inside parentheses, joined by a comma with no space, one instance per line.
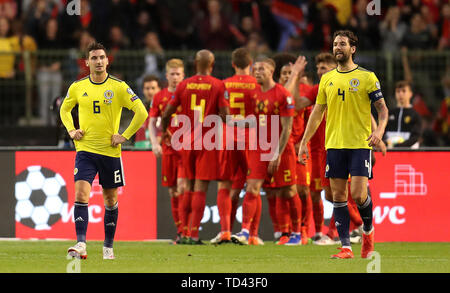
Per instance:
(346,94)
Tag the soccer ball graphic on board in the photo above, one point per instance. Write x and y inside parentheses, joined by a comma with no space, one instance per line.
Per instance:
(41,195)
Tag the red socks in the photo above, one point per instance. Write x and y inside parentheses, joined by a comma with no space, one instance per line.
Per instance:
(184,210)
(272,201)
(295,211)
(175,201)
(255,223)
(318,215)
(225,206)
(283,214)
(249,209)
(198,207)
(306,210)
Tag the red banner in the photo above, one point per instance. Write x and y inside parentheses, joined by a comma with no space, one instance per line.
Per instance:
(410,196)
(45,195)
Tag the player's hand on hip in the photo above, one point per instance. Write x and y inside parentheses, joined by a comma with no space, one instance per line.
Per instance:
(374,139)
(76,134)
(157,150)
(117,139)
(303,154)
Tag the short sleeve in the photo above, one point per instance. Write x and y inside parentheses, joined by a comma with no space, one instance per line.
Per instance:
(154,108)
(321,94)
(288,107)
(223,95)
(175,99)
(374,88)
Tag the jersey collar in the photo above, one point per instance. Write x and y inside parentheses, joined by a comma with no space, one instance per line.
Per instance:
(98,83)
(347,71)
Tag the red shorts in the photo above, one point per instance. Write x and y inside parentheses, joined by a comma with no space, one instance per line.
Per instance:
(171,169)
(303,173)
(285,174)
(239,178)
(230,162)
(200,164)
(318,163)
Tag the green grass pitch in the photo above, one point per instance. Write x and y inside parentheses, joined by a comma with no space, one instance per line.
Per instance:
(160,257)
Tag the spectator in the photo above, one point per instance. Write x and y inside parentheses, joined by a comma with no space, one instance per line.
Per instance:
(36,16)
(121,15)
(418,36)
(143,24)
(444,28)
(117,39)
(404,126)
(151,86)
(242,33)
(214,30)
(179,24)
(392,30)
(152,59)
(365,27)
(84,41)
(289,16)
(442,122)
(49,77)
(257,45)
(8,86)
(8,9)
(321,25)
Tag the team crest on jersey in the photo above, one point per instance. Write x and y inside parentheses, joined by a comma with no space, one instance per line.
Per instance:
(354,83)
(108,94)
(407,119)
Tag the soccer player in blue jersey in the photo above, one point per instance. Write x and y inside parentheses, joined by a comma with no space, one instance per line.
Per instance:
(346,94)
(100,98)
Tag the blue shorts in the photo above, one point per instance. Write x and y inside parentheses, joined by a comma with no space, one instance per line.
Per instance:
(342,162)
(109,169)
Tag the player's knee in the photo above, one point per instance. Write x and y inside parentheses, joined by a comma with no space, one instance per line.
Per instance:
(288,192)
(82,196)
(315,196)
(303,191)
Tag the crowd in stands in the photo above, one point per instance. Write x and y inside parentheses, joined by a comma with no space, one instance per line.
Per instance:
(263,26)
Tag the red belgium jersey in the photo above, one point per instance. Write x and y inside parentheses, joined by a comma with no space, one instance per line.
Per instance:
(159,103)
(199,97)
(276,101)
(242,90)
(318,139)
